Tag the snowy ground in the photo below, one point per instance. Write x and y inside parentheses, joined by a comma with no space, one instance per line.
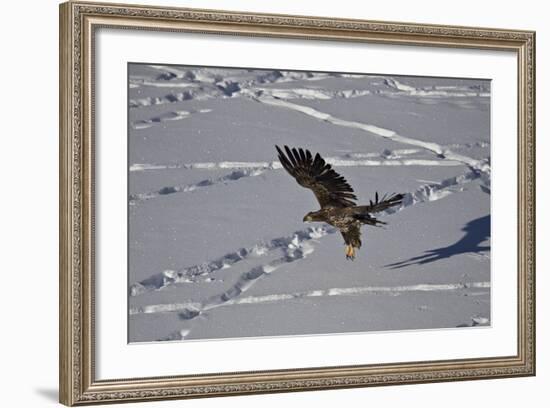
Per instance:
(217,244)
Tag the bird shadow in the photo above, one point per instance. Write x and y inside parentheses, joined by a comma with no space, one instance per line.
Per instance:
(476,232)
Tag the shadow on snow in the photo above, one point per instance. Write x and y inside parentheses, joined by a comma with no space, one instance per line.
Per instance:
(477,231)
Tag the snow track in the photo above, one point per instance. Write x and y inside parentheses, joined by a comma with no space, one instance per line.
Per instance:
(291,243)
(337,162)
(192,310)
(294,247)
(380,132)
(242,170)
(170,116)
(228,178)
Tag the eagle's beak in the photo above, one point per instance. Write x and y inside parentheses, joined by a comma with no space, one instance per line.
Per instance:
(307,218)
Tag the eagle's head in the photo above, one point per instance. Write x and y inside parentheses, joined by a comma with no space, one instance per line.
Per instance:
(309,217)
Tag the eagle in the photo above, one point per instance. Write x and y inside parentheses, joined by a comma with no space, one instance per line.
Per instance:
(335,196)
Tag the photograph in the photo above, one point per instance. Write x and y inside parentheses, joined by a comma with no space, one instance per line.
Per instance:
(276,202)
(267,202)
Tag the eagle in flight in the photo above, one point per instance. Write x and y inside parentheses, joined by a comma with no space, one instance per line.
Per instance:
(335,195)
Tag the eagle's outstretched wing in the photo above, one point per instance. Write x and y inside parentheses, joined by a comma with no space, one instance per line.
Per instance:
(330,188)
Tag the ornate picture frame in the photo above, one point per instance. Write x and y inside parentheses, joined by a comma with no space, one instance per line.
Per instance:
(79,22)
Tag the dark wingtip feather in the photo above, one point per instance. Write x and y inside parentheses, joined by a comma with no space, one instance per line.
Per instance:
(296,154)
(290,155)
(302,155)
(315,173)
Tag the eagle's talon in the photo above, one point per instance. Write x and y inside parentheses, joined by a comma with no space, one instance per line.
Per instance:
(350,252)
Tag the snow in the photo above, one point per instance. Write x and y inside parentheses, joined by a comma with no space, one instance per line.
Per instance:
(217,246)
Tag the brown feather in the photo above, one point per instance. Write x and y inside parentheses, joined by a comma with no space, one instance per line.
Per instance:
(329,187)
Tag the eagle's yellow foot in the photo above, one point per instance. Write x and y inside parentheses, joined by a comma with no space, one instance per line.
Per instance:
(350,252)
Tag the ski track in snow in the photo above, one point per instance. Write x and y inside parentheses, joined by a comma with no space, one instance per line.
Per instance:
(397,157)
(252,169)
(275,165)
(351,291)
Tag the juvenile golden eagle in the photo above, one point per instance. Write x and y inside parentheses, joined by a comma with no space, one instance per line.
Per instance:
(335,195)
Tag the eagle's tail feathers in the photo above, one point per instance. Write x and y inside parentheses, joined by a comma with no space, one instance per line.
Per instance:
(366,218)
(380,204)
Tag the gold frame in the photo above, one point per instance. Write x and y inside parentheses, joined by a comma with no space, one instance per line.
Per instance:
(78,22)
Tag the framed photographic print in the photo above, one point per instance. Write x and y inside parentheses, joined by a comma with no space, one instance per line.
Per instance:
(261,203)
